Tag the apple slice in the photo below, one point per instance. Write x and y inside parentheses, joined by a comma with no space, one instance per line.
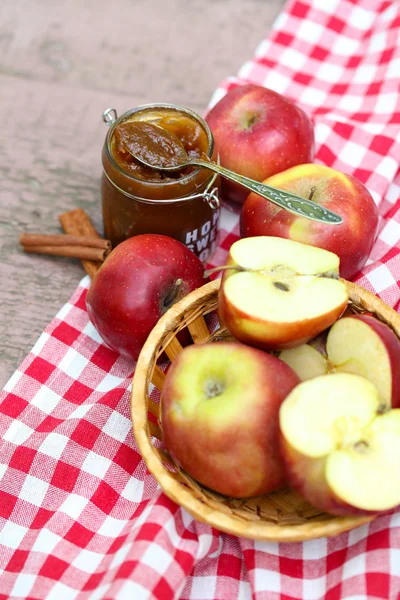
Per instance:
(358,344)
(306,361)
(341,446)
(276,293)
(367,347)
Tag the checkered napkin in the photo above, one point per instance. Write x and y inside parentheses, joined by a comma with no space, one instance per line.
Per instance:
(81,517)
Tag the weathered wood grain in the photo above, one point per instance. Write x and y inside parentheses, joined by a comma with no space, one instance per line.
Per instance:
(61,64)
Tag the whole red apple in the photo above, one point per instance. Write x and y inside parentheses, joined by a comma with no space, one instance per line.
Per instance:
(351,240)
(140,280)
(220,406)
(258,133)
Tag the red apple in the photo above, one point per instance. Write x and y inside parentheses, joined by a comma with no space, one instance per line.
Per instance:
(352,240)
(341,446)
(358,344)
(220,405)
(277,293)
(258,133)
(140,280)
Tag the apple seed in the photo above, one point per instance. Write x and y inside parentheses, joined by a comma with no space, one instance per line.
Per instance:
(281,286)
(361,446)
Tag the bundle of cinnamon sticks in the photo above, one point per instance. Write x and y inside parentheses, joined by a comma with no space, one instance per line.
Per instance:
(80,240)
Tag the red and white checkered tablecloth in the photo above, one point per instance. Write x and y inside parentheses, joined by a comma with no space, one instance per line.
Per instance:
(81,517)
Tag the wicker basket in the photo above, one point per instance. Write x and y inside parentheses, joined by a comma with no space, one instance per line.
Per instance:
(282,515)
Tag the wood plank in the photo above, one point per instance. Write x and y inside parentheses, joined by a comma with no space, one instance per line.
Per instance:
(175,50)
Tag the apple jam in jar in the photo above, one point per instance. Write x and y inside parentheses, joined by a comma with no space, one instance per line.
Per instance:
(137,199)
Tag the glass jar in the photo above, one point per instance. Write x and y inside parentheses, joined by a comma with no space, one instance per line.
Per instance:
(185,206)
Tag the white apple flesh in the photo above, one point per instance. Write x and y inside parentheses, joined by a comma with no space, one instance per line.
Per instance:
(341,445)
(220,405)
(306,361)
(280,293)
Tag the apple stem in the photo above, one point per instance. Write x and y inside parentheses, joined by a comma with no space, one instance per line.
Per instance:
(312,192)
(170,298)
(224,268)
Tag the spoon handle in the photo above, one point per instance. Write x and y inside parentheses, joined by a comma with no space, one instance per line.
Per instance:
(286,200)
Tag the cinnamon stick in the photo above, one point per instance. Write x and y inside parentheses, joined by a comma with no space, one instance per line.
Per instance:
(77,222)
(63,239)
(82,252)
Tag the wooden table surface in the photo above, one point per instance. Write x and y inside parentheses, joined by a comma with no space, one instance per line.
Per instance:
(62,62)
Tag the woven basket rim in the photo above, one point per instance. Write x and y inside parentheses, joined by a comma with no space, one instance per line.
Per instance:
(232,524)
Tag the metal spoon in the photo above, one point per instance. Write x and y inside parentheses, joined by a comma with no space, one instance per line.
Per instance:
(157,148)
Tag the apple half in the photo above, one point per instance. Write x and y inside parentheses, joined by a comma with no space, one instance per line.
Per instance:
(276,293)
(358,344)
(341,446)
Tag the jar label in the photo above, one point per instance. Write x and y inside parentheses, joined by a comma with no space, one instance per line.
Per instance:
(201,240)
